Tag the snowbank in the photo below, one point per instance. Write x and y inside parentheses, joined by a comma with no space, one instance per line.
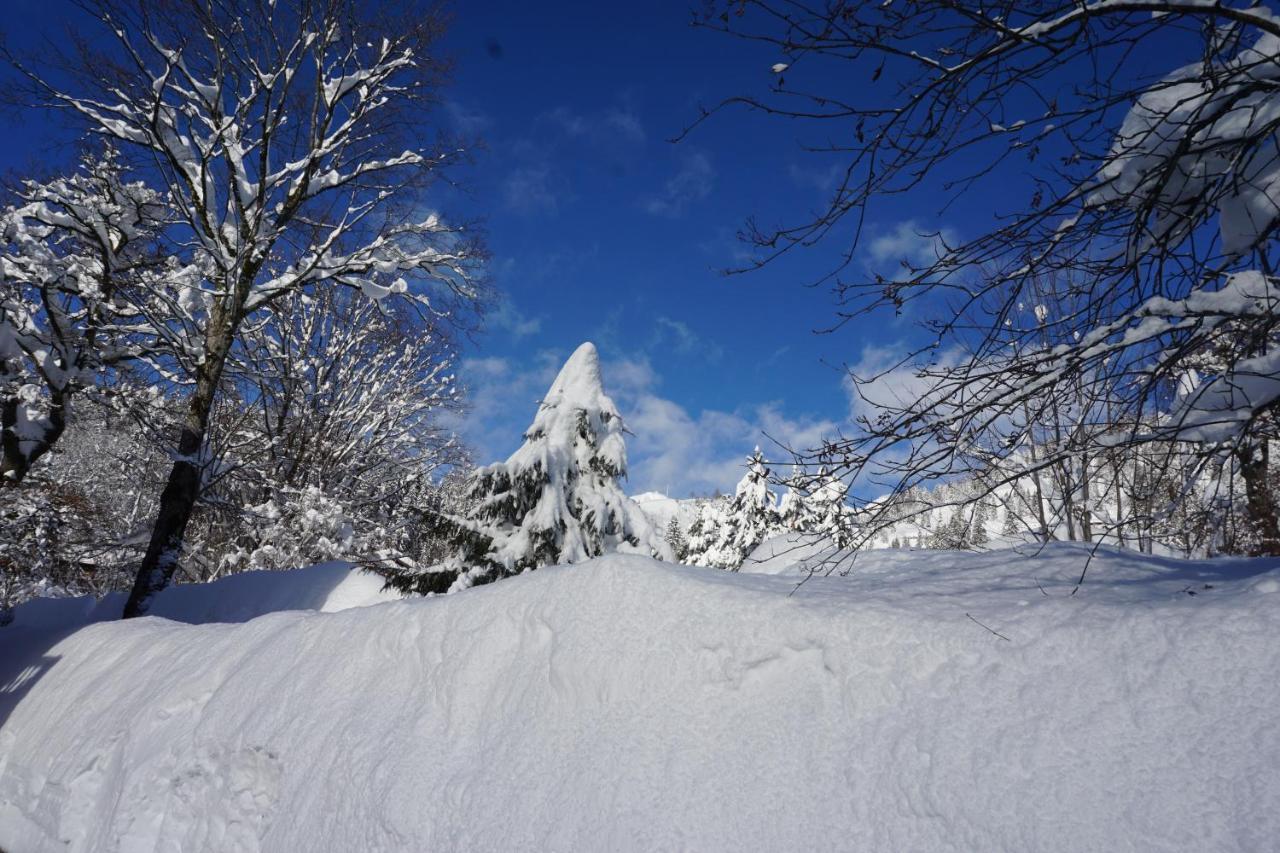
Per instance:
(626,704)
(327,587)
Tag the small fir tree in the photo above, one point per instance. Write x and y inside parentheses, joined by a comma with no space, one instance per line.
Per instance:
(749,517)
(675,540)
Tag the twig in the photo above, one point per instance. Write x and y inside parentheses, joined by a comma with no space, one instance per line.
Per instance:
(997,633)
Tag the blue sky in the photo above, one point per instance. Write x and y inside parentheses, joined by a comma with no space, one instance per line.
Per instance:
(603,230)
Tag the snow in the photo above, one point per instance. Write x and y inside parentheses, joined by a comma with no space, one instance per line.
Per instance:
(628,704)
(794,554)
(327,588)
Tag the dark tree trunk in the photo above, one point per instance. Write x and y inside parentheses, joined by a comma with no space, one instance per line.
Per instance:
(1260,504)
(178,500)
(15,460)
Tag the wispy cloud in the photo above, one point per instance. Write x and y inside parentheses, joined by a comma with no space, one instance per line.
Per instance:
(506,317)
(679,337)
(910,242)
(531,189)
(465,119)
(613,125)
(692,183)
(822,180)
(539,182)
(680,451)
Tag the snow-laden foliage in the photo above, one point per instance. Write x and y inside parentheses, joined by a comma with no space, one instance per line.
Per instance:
(80,285)
(828,514)
(555,500)
(329,444)
(301,527)
(1200,142)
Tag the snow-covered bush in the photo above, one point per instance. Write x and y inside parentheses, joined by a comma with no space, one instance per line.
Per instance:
(299,527)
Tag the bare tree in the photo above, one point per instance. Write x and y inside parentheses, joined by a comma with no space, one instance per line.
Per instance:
(289,137)
(1153,199)
(347,400)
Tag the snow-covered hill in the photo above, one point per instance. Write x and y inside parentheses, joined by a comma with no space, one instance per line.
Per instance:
(660,509)
(926,701)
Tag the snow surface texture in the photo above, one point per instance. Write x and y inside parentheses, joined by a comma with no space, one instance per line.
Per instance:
(627,704)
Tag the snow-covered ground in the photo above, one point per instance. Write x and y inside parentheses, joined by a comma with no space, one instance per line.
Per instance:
(926,701)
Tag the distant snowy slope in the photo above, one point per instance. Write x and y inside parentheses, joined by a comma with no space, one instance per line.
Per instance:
(627,704)
(660,509)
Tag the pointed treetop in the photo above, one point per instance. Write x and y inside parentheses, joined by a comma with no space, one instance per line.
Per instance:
(579,382)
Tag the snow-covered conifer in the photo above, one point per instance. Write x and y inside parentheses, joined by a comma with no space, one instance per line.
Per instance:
(705,529)
(831,515)
(747,519)
(794,513)
(676,540)
(556,499)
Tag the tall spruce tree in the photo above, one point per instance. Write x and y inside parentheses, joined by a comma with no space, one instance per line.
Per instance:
(556,499)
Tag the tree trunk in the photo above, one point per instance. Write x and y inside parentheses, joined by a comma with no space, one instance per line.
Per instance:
(1086,516)
(15,460)
(1117,465)
(178,500)
(1260,504)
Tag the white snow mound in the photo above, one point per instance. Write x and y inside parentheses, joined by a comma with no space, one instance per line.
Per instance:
(327,587)
(627,704)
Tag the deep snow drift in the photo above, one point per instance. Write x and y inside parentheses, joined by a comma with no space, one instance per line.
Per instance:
(626,704)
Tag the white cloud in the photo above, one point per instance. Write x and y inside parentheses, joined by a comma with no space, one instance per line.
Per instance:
(626,124)
(692,183)
(611,126)
(502,397)
(887,382)
(467,120)
(680,452)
